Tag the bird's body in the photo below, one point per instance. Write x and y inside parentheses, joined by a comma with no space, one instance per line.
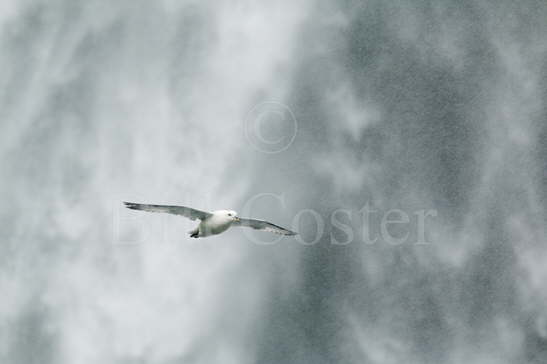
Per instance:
(217,223)
(211,223)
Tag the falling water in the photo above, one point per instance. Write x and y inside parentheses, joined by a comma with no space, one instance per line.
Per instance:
(415,106)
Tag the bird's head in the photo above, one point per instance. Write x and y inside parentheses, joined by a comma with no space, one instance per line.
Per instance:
(232,215)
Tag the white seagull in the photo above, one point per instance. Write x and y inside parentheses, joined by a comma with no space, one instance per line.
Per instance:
(212,223)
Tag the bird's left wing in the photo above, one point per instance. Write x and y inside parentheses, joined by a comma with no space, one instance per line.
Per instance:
(188,212)
(263,225)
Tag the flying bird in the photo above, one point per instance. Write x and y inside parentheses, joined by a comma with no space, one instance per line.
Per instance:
(211,223)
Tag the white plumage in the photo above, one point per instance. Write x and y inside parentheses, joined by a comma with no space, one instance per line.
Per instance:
(211,223)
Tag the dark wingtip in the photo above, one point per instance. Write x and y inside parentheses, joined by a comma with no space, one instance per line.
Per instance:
(131,205)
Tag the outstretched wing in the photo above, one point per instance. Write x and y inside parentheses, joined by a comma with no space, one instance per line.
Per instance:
(175,210)
(263,225)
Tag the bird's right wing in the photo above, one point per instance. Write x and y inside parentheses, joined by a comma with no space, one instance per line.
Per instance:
(188,212)
(263,225)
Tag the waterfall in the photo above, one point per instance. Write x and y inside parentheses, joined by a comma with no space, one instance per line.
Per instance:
(334,119)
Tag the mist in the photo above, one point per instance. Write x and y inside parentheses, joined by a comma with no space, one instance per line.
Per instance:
(302,113)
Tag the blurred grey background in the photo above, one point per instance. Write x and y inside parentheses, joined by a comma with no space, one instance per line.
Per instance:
(399,104)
